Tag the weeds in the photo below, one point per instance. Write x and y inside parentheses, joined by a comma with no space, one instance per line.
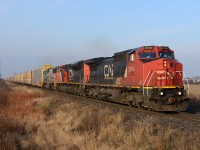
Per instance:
(3,97)
(15,105)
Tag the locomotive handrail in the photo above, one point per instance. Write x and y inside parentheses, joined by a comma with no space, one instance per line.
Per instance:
(188,84)
(146,80)
(151,78)
(149,81)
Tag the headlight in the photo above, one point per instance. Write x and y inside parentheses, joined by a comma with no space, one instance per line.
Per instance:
(164,63)
(179,93)
(161,93)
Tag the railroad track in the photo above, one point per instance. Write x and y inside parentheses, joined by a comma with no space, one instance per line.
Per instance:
(186,116)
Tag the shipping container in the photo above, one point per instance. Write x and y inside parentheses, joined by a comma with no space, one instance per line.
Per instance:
(28,77)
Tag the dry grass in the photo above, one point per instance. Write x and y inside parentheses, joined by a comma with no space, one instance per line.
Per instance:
(15,105)
(32,121)
(74,126)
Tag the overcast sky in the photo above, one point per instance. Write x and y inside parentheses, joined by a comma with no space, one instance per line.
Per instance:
(36,32)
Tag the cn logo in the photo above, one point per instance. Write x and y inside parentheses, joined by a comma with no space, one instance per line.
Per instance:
(108,71)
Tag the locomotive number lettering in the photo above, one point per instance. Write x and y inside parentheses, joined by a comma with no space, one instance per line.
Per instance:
(148,47)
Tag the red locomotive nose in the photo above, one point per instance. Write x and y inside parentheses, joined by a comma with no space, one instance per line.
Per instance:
(163,72)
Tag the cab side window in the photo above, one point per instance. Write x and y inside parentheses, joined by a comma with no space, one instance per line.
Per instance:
(132,57)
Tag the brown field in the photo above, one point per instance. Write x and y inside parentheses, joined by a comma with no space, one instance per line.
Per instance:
(194,90)
(31,120)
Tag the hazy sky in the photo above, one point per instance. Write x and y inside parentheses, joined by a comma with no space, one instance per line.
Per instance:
(36,32)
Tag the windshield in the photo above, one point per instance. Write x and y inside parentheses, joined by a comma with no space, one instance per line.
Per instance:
(145,55)
(169,55)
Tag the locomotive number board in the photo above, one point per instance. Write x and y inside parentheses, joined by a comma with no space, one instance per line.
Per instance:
(165,48)
(148,47)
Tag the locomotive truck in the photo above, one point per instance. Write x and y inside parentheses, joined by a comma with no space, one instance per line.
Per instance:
(146,77)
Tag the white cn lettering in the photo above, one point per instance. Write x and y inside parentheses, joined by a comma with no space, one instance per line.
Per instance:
(108,70)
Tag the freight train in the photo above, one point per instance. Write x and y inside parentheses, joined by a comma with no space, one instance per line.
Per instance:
(146,77)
